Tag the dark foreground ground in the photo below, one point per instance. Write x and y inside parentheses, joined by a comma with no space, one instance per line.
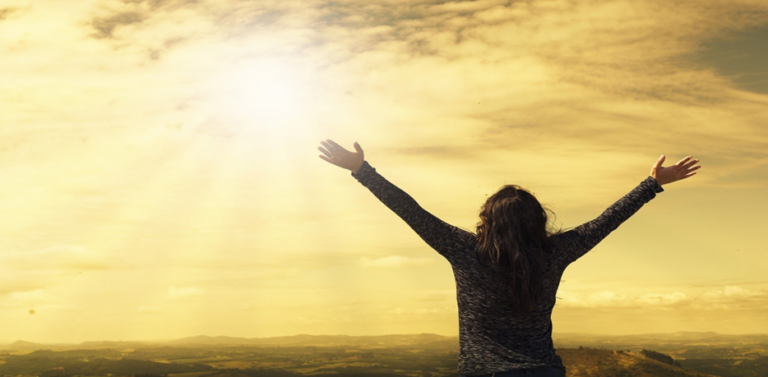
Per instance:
(385,356)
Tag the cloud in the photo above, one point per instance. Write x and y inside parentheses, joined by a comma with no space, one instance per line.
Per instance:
(662,298)
(607,66)
(5,12)
(738,57)
(729,297)
(732,297)
(184,292)
(155,4)
(132,12)
(730,292)
(13,285)
(24,271)
(38,298)
(395,261)
(106,26)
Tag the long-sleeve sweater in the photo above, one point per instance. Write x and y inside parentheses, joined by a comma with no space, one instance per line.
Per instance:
(492,338)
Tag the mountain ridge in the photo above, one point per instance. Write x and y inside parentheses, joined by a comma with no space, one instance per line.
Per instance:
(561,340)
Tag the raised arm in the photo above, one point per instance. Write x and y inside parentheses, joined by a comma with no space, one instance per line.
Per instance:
(580,240)
(432,230)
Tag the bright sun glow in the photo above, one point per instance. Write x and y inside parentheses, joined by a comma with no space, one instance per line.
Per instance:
(265,93)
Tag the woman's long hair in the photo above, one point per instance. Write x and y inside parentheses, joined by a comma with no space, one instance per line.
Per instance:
(513,236)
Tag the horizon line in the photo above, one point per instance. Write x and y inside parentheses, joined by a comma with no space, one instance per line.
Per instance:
(554,336)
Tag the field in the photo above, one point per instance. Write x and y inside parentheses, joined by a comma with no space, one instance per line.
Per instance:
(424,355)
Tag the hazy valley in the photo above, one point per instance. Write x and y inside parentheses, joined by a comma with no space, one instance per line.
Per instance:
(663,355)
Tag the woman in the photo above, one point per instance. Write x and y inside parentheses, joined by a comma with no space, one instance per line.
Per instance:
(508,273)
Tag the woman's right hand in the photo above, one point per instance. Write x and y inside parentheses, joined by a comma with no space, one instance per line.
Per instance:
(337,155)
(681,170)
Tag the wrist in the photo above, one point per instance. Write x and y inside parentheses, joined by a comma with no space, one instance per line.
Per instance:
(659,181)
(357,169)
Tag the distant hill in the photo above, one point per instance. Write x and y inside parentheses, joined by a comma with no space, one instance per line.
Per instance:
(427,341)
(591,362)
(112,344)
(205,339)
(21,345)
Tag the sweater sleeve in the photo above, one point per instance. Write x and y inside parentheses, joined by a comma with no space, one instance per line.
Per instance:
(432,230)
(579,240)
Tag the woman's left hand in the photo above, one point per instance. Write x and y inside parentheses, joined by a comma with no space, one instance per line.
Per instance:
(337,155)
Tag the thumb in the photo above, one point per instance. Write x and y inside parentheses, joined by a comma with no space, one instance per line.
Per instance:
(659,162)
(358,149)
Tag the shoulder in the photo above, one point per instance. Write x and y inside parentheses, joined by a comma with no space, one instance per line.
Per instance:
(560,244)
(460,246)
(465,237)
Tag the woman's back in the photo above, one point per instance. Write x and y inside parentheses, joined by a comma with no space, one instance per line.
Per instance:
(492,336)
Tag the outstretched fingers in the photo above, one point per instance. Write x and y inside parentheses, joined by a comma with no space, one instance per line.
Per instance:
(327,159)
(339,156)
(325,152)
(659,162)
(689,164)
(336,147)
(329,146)
(689,170)
(683,161)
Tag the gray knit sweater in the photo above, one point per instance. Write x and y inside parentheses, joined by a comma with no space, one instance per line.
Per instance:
(491,337)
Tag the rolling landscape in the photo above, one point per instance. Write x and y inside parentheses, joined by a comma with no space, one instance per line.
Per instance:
(422,355)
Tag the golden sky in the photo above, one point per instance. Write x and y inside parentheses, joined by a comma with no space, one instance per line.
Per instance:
(159,175)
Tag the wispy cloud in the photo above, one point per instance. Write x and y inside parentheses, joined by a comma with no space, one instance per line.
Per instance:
(615,299)
(105,26)
(25,270)
(55,257)
(727,298)
(5,12)
(34,299)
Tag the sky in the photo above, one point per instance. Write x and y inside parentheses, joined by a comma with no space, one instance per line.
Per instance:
(159,171)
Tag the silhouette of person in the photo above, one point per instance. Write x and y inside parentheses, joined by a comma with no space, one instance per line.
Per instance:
(508,271)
